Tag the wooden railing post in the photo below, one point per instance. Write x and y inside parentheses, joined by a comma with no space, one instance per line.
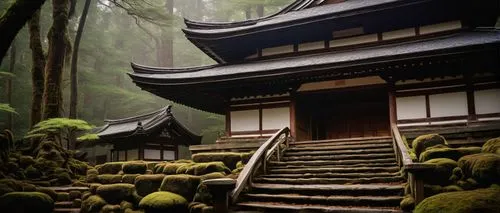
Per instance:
(278,153)
(264,165)
(219,189)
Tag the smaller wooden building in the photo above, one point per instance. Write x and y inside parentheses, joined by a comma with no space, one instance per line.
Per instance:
(153,137)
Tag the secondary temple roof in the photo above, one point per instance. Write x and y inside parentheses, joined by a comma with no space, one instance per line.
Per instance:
(199,86)
(160,123)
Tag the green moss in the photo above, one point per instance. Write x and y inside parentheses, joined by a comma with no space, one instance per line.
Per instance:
(77,167)
(27,187)
(129,178)
(115,193)
(25,161)
(431,190)
(111,209)
(62,196)
(421,143)
(457,174)
(245,157)
(184,185)
(110,168)
(407,204)
(20,202)
(93,188)
(133,211)
(158,168)
(184,168)
(164,202)
(147,184)
(240,164)
(77,203)
(93,204)
(197,207)
(183,161)
(205,168)
(441,174)
(230,159)
(86,195)
(126,205)
(213,175)
(63,179)
(109,179)
(480,200)
(135,167)
(151,165)
(468,184)
(483,167)
(75,195)
(451,153)
(171,168)
(203,195)
(492,146)
(48,191)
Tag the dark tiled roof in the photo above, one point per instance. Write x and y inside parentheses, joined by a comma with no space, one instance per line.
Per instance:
(231,72)
(145,124)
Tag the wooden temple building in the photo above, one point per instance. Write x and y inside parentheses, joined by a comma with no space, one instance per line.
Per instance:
(154,136)
(348,78)
(337,69)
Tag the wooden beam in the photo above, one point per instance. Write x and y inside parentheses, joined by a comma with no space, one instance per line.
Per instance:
(293,124)
(393,115)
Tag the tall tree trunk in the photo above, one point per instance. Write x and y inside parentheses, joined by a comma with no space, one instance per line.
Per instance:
(260,10)
(37,71)
(12,64)
(74,62)
(14,19)
(248,12)
(58,42)
(165,51)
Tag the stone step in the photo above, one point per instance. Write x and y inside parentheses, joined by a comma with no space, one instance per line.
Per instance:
(304,181)
(338,152)
(63,204)
(372,201)
(333,170)
(334,175)
(367,164)
(329,189)
(342,157)
(66,210)
(301,208)
(344,141)
(339,147)
(69,188)
(328,162)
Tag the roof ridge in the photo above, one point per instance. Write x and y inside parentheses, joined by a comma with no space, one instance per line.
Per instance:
(156,70)
(137,117)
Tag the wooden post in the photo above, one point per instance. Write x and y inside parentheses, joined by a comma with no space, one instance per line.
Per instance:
(393,115)
(293,124)
(278,152)
(219,189)
(264,166)
(417,187)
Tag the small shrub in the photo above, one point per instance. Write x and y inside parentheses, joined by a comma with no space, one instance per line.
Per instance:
(164,202)
(32,172)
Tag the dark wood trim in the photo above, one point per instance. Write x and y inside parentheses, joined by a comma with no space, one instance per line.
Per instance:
(260,100)
(393,114)
(471,105)
(432,84)
(256,132)
(489,115)
(176,151)
(228,122)
(260,106)
(295,48)
(293,124)
(432,91)
(344,89)
(486,86)
(379,37)
(126,155)
(436,119)
(427,106)
(417,31)
(260,119)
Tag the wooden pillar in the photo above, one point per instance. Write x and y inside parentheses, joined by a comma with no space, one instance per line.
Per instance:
(293,125)
(471,105)
(393,115)
(228,121)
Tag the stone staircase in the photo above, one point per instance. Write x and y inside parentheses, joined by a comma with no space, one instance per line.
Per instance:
(67,206)
(345,175)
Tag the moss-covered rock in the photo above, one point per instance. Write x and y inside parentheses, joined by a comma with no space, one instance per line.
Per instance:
(171,168)
(111,209)
(75,195)
(431,190)
(77,203)
(245,157)
(77,167)
(230,159)
(63,179)
(213,175)
(468,184)
(115,193)
(203,195)
(474,201)
(32,173)
(184,185)
(110,168)
(451,153)
(492,146)
(93,188)
(421,143)
(197,207)
(109,179)
(441,173)
(129,178)
(407,204)
(164,202)
(135,167)
(126,205)
(20,202)
(158,168)
(206,168)
(482,167)
(147,184)
(48,191)
(86,195)
(62,196)
(25,161)
(93,204)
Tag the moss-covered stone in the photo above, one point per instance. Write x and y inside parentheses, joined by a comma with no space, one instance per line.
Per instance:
(245,157)
(86,195)
(25,161)
(206,168)
(171,168)
(431,190)
(77,203)
(479,200)
(77,167)
(75,195)
(468,184)
(492,146)
(151,165)
(451,153)
(483,167)
(203,195)
(111,209)
(129,178)
(21,202)
(147,184)
(63,179)
(48,191)
(126,205)
(164,202)
(197,207)
(133,211)
(62,196)
(213,175)
(158,168)
(230,159)
(407,204)
(441,173)
(93,204)
(184,185)
(93,188)
(421,143)
(115,193)
(109,179)
(110,168)
(135,167)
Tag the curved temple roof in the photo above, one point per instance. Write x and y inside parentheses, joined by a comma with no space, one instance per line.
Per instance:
(145,125)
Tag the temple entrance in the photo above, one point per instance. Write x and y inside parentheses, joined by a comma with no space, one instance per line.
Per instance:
(342,114)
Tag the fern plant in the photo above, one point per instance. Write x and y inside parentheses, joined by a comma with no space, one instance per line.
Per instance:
(7,108)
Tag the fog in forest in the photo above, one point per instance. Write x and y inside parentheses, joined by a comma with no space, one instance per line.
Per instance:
(116,33)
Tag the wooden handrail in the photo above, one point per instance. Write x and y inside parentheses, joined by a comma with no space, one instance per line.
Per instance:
(258,159)
(401,147)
